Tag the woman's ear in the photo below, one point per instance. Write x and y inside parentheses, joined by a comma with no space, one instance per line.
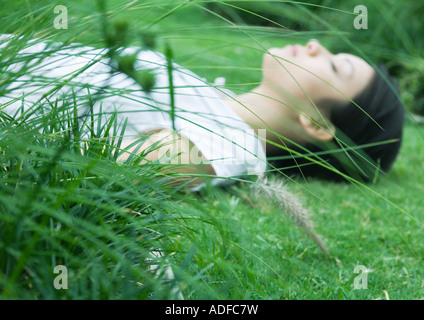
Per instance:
(320,132)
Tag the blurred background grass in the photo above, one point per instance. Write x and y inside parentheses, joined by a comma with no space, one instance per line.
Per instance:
(219,243)
(233,34)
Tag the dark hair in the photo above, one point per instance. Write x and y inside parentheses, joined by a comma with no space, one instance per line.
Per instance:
(368,137)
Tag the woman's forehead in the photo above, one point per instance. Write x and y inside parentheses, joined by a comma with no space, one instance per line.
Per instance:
(363,73)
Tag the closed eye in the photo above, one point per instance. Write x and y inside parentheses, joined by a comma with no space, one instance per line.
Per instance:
(333,66)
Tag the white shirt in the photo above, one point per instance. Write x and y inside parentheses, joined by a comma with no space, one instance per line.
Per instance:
(201,116)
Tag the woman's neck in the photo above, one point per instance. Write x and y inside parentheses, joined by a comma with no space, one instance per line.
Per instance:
(263,108)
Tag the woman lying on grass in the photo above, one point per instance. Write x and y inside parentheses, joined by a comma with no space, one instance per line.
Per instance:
(308,99)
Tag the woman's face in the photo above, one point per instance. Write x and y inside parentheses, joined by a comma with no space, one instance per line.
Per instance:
(313,72)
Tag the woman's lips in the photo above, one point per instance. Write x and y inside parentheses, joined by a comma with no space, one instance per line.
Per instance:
(294,50)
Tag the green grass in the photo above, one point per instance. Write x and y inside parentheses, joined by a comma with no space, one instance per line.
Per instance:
(274,260)
(101,219)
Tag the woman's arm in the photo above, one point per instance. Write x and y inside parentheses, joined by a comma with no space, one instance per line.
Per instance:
(181,151)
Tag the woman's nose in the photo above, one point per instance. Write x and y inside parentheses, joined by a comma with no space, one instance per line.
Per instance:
(313,47)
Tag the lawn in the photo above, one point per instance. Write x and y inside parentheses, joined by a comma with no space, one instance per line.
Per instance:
(101,219)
